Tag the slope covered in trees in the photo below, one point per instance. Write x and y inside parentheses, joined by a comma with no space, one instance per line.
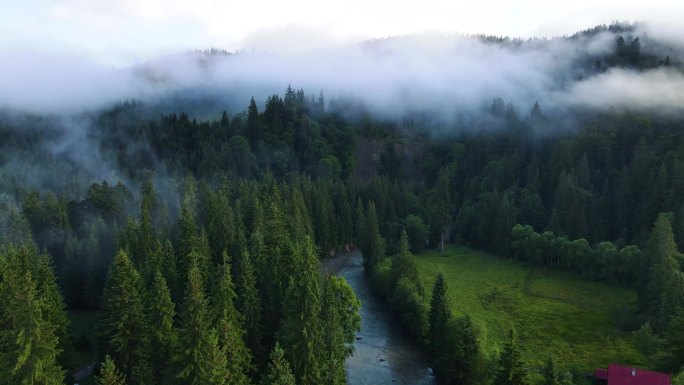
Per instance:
(197,240)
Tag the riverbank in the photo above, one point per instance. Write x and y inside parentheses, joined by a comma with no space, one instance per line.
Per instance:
(384,353)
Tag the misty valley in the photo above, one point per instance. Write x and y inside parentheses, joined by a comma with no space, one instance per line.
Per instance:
(418,209)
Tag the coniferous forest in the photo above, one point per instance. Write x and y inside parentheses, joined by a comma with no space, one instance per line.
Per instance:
(198,242)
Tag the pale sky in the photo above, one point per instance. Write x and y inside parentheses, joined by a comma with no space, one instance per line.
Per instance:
(123,32)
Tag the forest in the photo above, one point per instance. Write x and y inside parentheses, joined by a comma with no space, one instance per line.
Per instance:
(198,240)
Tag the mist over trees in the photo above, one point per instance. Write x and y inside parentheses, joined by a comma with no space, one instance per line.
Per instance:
(197,237)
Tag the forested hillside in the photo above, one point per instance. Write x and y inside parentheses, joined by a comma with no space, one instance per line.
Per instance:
(197,240)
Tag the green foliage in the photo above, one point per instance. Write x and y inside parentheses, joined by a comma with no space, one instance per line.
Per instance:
(109,374)
(163,337)
(510,369)
(440,314)
(31,324)
(125,325)
(249,306)
(198,343)
(279,372)
(404,266)
(555,313)
(301,331)
(674,343)
(418,232)
(665,289)
(550,373)
(340,315)
(373,245)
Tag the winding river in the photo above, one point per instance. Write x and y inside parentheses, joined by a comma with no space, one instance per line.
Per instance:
(383,354)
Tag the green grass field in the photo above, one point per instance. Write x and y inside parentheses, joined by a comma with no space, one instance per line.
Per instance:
(554,313)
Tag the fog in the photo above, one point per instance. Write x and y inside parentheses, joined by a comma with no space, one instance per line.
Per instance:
(447,74)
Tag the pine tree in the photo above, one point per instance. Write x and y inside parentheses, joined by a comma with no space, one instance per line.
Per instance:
(440,314)
(510,369)
(674,343)
(359,233)
(278,264)
(198,341)
(228,325)
(249,306)
(665,290)
(125,327)
(404,265)
(300,333)
(279,372)
(163,336)
(109,374)
(29,346)
(373,248)
(146,236)
(550,373)
(186,238)
(215,370)
(443,205)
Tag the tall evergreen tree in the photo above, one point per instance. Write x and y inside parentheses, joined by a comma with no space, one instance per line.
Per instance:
(404,265)
(665,289)
(125,326)
(440,314)
(163,337)
(550,373)
(510,369)
(109,374)
(29,346)
(301,332)
(459,360)
(228,324)
(279,372)
(673,359)
(198,342)
(249,306)
(373,247)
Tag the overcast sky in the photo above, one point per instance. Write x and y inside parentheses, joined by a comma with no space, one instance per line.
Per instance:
(123,32)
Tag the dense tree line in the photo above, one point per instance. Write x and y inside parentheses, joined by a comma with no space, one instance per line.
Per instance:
(209,243)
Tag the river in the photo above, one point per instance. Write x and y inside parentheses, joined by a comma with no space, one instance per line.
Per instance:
(383,353)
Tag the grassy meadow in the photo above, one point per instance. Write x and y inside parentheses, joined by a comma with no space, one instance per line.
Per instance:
(554,313)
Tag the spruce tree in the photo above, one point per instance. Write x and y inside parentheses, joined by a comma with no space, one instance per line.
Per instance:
(186,238)
(29,346)
(125,326)
(109,374)
(197,342)
(461,359)
(665,289)
(373,247)
(550,373)
(301,332)
(163,337)
(249,306)
(510,369)
(440,314)
(404,265)
(673,359)
(228,325)
(279,372)
(359,232)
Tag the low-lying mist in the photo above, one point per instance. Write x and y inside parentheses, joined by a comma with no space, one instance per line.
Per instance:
(449,74)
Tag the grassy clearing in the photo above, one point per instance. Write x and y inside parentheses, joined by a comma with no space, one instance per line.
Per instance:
(554,313)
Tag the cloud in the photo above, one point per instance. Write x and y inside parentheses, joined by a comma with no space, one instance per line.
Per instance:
(424,72)
(659,90)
